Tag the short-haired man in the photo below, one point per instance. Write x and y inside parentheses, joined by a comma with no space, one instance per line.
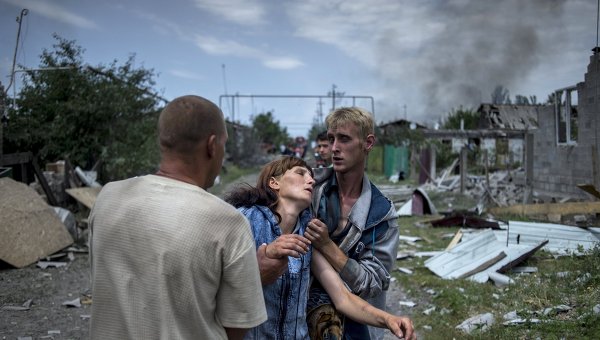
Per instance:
(359,236)
(323,149)
(170,260)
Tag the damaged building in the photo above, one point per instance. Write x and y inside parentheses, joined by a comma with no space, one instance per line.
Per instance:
(518,119)
(565,145)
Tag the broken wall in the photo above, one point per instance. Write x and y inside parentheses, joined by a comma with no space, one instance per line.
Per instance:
(557,169)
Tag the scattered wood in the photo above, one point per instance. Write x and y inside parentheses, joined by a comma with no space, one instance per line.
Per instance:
(85,195)
(567,208)
(590,189)
(463,220)
(455,240)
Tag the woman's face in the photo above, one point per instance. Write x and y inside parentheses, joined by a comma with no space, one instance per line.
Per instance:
(295,185)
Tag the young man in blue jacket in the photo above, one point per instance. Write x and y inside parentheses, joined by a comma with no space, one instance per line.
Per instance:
(359,233)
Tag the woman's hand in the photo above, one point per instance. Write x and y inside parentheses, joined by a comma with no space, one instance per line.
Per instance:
(402,327)
(287,245)
(317,233)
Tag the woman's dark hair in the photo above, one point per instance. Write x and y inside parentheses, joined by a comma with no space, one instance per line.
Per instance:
(245,195)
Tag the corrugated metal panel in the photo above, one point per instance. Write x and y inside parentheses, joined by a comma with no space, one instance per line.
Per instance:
(562,239)
(515,255)
(472,253)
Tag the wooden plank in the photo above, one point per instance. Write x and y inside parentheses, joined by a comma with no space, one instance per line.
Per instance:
(16,158)
(85,195)
(590,189)
(455,240)
(38,172)
(566,208)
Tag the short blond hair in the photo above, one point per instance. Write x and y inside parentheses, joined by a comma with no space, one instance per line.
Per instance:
(359,117)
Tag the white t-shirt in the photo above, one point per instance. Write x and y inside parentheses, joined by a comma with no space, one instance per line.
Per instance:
(170,261)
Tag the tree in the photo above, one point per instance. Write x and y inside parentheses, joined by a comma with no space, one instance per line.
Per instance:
(523,100)
(400,136)
(500,95)
(470,119)
(315,130)
(87,114)
(268,130)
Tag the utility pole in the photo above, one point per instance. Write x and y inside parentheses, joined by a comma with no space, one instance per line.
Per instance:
(333,94)
(333,87)
(2,118)
(24,12)
(320,112)
(4,92)
(405,117)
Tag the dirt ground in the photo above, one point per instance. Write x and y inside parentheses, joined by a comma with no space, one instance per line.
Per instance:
(48,318)
(48,289)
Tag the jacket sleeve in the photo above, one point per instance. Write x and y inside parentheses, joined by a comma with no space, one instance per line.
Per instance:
(369,274)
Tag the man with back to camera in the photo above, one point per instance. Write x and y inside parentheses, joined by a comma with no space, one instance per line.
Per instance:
(170,260)
(358,228)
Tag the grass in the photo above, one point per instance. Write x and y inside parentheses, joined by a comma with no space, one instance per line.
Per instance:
(458,300)
(573,281)
(232,174)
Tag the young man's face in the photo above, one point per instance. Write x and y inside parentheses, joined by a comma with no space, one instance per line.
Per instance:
(349,151)
(324,150)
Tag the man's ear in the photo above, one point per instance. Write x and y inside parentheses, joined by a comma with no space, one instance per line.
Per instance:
(370,142)
(211,146)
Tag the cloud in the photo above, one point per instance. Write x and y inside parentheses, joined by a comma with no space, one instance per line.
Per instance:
(241,12)
(356,27)
(212,45)
(52,11)
(184,74)
(217,46)
(160,25)
(435,56)
(282,63)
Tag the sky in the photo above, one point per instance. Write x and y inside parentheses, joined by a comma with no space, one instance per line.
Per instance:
(401,59)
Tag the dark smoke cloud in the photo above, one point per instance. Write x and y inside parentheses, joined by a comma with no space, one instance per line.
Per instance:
(481,44)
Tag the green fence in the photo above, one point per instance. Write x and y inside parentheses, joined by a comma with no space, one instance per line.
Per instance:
(395,160)
(388,160)
(375,160)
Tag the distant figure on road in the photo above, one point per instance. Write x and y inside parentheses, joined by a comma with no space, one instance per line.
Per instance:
(170,260)
(323,151)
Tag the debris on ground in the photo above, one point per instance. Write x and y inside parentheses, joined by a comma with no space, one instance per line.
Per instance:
(29,227)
